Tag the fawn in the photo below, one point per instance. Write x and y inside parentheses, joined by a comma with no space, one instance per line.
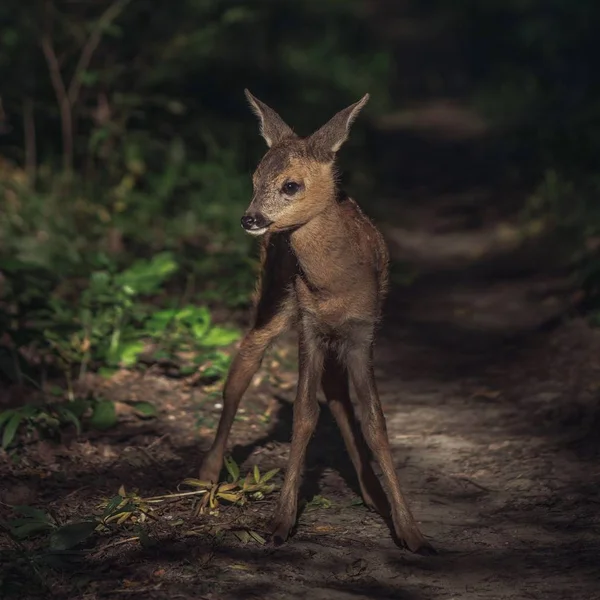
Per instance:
(325,271)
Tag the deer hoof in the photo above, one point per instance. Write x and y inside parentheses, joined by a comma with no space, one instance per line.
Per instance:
(415,542)
(425,549)
(280,532)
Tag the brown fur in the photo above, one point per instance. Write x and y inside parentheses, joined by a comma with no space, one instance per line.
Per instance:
(324,270)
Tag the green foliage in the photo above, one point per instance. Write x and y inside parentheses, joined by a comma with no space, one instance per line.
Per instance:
(105,325)
(109,326)
(48,418)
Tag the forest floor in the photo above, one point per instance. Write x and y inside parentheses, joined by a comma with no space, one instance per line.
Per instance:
(496,446)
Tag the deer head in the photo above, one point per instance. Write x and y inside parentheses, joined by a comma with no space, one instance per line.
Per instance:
(296,178)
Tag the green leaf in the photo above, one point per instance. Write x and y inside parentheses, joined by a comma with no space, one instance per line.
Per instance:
(201,322)
(78,407)
(10,429)
(269,475)
(256,474)
(159,321)
(146,277)
(32,513)
(69,416)
(104,415)
(232,468)
(111,506)
(145,540)
(127,354)
(71,535)
(107,372)
(5,415)
(145,409)
(29,529)
(218,336)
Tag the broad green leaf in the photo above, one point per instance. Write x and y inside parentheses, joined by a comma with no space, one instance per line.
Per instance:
(10,429)
(104,415)
(256,473)
(71,535)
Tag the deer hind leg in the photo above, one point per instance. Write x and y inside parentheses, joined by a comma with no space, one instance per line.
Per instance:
(336,389)
(306,414)
(242,370)
(375,431)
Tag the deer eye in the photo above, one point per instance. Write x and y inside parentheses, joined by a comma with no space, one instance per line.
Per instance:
(290,188)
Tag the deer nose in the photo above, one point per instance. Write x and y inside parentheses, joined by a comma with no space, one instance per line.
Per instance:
(248,221)
(254,220)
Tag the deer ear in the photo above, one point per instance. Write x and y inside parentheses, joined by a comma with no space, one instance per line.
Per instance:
(334,133)
(272,126)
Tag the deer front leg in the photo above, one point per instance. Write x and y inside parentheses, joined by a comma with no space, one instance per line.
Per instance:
(242,370)
(306,414)
(336,389)
(375,432)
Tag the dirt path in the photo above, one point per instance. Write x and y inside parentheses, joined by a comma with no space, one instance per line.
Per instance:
(491,447)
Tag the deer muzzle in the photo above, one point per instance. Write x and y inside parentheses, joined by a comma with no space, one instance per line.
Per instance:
(255,223)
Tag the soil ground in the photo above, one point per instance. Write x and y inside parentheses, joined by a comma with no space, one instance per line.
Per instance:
(496,446)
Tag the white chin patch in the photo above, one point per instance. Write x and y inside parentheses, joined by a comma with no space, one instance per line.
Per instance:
(257,232)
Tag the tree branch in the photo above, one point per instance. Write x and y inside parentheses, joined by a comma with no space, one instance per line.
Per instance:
(109,15)
(62,96)
(30,139)
(54,68)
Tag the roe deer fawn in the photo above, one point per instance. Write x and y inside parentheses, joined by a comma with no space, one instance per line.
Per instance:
(324,270)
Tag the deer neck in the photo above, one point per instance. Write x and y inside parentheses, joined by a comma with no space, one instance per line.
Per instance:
(321,247)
